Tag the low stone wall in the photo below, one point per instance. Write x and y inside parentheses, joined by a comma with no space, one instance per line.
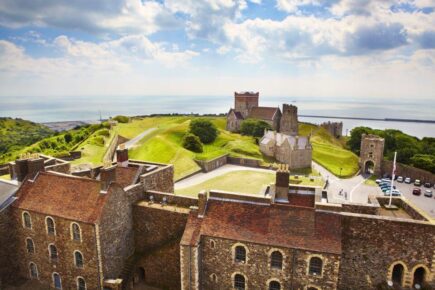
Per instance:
(399,202)
(108,156)
(243,161)
(161,179)
(61,168)
(408,171)
(213,164)
(73,155)
(4,169)
(178,200)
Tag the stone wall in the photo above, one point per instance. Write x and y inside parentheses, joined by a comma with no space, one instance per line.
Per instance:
(65,247)
(161,179)
(61,168)
(371,244)
(116,232)
(178,200)
(408,171)
(213,164)
(108,156)
(217,257)
(243,161)
(399,202)
(8,267)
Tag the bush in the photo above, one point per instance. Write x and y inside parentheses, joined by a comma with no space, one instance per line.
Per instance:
(121,119)
(103,132)
(68,137)
(192,143)
(204,129)
(99,141)
(254,128)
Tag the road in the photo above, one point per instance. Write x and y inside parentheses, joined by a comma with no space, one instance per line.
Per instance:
(130,143)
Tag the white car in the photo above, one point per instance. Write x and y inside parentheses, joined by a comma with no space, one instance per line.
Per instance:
(407,180)
(400,179)
(395,192)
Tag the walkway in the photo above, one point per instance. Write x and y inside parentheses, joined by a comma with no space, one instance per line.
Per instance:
(130,143)
(201,177)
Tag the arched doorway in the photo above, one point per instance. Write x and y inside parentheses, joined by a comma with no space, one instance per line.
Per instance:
(397,275)
(419,276)
(369,167)
(139,275)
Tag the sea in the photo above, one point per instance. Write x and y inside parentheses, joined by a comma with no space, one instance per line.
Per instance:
(56,109)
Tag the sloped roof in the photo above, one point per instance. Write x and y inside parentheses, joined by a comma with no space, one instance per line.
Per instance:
(236,113)
(281,138)
(66,196)
(125,176)
(263,113)
(7,190)
(274,225)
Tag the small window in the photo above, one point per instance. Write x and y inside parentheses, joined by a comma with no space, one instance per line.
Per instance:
(276,260)
(27,220)
(213,278)
(240,255)
(78,259)
(274,285)
(57,283)
(212,244)
(315,266)
(81,284)
(312,288)
(33,271)
(50,226)
(239,282)
(76,235)
(30,246)
(53,253)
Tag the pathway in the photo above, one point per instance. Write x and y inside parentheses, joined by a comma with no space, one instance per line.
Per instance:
(130,143)
(201,177)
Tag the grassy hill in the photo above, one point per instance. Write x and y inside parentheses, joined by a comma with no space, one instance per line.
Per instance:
(16,134)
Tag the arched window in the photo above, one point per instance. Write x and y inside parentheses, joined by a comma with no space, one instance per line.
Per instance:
(51,230)
(76,233)
(81,284)
(315,267)
(419,276)
(30,246)
(274,285)
(240,254)
(57,283)
(312,288)
(33,271)
(78,259)
(27,221)
(239,282)
(276,260)
(53,253)
(212,244)
(398,273)
(213,278)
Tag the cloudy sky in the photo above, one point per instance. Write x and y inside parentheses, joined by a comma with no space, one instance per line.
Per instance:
(303,48)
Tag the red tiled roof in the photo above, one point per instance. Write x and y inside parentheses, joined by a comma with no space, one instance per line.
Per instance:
(277,225)
(264,113)
(69,197)
(125,175)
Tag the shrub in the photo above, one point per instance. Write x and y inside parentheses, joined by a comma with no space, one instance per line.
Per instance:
(121,119)
(99,141)
(68,137)
(254,128)
(204,129)
(103,132)
(192,143)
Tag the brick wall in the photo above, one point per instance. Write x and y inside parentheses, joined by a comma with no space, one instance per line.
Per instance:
(408,171)
(65,247)
(161,179)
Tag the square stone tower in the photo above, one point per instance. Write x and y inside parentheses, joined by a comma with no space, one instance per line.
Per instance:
(289,120)
(245,101)
(371,154)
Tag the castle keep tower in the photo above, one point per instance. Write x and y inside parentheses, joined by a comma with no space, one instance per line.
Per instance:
(371,154)
(289,120)
(245,101)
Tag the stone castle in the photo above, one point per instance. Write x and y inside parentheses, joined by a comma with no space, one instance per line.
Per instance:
(246,107)
(121,226)
(334,128)
(371,154)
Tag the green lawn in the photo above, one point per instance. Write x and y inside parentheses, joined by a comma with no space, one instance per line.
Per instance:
(243,181)
(93,151)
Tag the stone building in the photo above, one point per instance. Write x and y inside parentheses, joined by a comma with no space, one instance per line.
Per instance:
(296,151)
(371,154)
(246,107)
(334,128)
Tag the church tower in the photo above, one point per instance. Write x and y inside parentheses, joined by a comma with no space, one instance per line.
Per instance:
(245,101)
(289,120)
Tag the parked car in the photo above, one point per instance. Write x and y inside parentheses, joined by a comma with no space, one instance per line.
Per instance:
(427,185)
(378,181)
(400,179)
(407,180)
(416,191)
(395,192)
(417,182)
(428,193)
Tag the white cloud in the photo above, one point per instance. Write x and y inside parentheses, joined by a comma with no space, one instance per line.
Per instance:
(292,6)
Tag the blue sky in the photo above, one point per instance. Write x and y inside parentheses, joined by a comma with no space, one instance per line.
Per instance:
(306,48)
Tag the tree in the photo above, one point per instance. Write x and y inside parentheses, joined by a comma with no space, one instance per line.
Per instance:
(121,119)
(204,129)
(354,141)
(192,142)
(252,127)
(68,137)
(424,161)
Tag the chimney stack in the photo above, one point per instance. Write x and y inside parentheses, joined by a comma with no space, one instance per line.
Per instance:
(122,156)
(282,182)
(107,176)
(28,165)
(202,203)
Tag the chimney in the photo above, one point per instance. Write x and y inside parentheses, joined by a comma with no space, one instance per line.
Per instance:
(34,166)
(107,176)
(282,182)
(28,165)
(21,169)
(122,156)
(202,203)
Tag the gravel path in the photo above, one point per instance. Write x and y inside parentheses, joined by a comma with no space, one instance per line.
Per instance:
(132,142)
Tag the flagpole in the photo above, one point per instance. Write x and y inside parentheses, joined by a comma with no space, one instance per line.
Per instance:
(392,179)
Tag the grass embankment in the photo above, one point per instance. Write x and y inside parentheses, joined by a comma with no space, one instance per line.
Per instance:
(164,144)
(243,181)
(330,152)
(94,148)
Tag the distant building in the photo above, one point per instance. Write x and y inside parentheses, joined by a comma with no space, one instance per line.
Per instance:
(296,151)
(246,107)
(334,128)
(371,154)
